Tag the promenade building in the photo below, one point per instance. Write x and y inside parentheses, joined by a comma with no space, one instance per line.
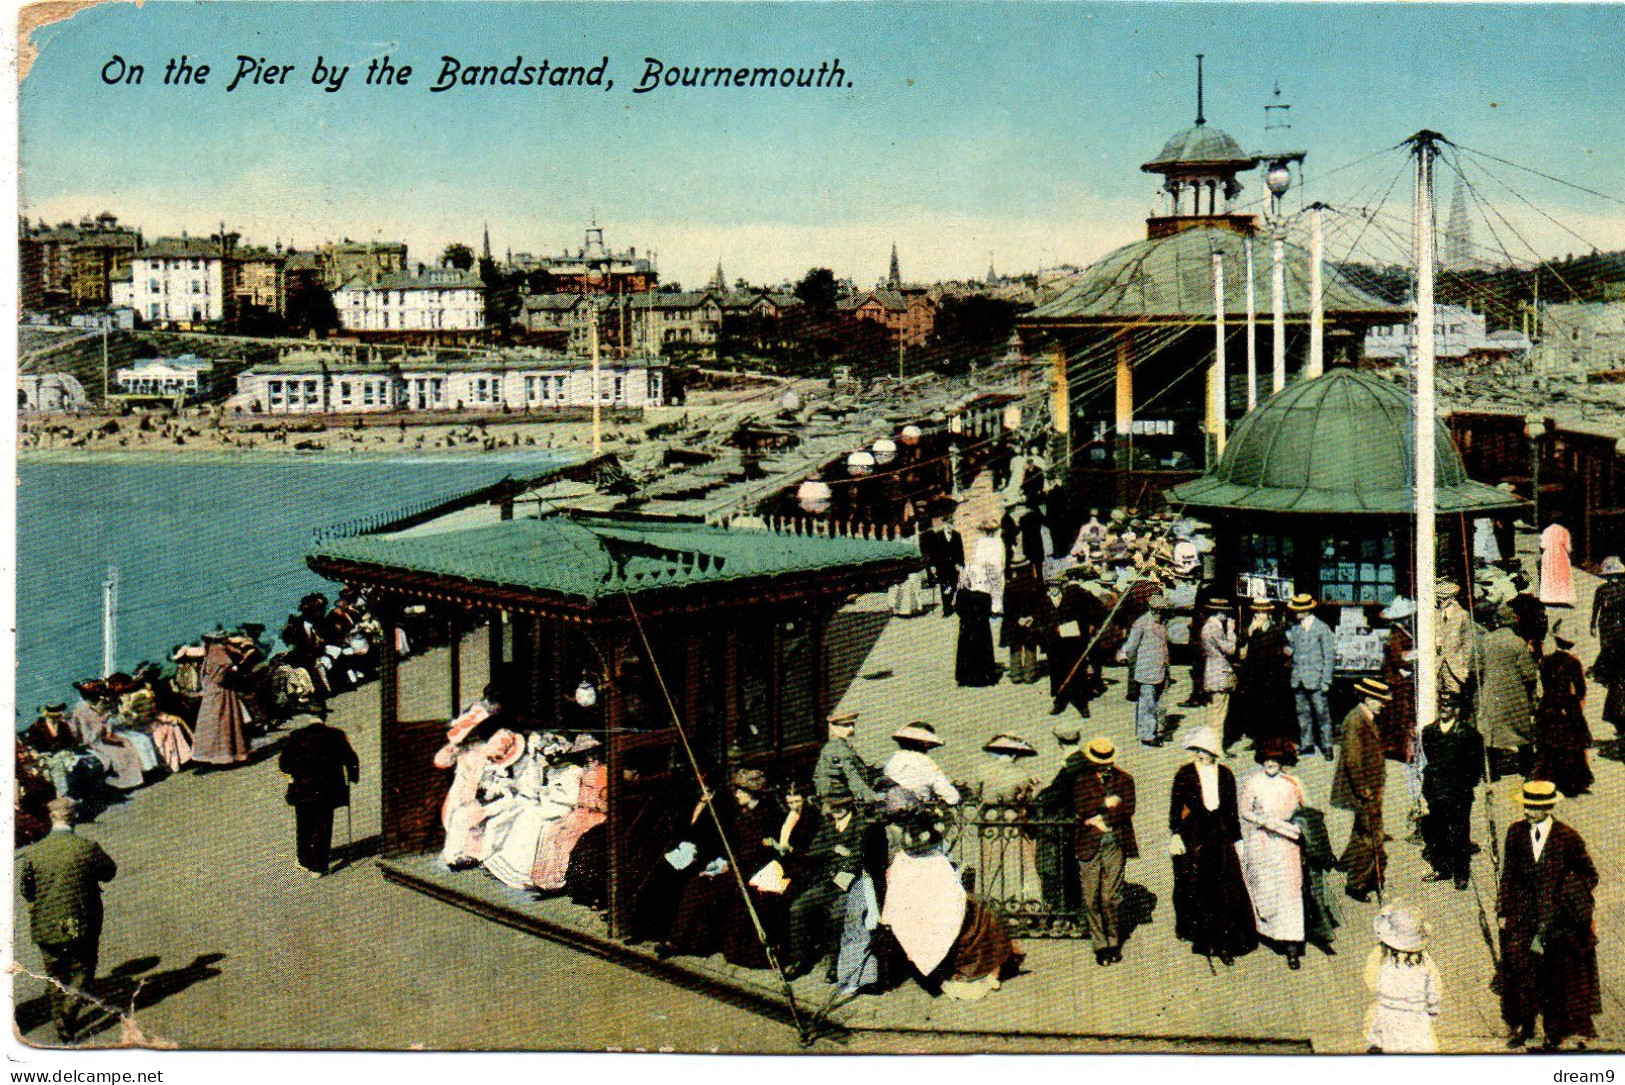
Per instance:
(342,381)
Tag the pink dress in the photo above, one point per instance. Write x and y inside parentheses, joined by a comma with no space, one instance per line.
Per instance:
(559,838)
(1556,585)
(122,761)
(1271,856)
(463,815)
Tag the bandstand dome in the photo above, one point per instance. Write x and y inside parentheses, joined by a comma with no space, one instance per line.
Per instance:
(1200,146)
(1338,443)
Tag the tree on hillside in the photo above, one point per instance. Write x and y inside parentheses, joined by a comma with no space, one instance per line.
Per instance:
(817,290)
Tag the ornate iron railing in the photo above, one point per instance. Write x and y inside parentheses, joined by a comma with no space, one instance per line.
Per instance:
(1020,862)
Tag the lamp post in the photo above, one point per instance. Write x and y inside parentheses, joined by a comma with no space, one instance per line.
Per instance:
(1278,179)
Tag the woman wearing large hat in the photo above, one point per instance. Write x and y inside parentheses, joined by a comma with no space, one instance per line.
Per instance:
(912,771)
(1562,735)
(1272,847)
(1211,908)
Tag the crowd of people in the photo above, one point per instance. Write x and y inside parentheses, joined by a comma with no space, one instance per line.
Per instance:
(201,710)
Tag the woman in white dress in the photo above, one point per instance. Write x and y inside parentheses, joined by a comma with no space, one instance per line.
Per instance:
(1271,848)
(1410,994)
(462,814)
(513,830)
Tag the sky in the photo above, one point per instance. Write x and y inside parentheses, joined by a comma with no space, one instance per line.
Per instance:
(968,133)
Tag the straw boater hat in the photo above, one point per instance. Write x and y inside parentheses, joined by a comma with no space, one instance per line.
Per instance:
(1262,606)
(842,719)
(1444,589)
(751,780)
(1010,744)
(504,749)
(1370,687)
(1399,609)
(1217,602)
(1612,566)
(189,651)
(1067,734)
(58,709)
(922,734)
(1301,602)
(1100,751)
(1401,929)
(1283,751)
(1540,794)
(1203,738)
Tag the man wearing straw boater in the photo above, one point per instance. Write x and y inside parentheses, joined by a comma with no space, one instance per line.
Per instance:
(1548,939)
(1314,656)
(1357,787)
(1104,799)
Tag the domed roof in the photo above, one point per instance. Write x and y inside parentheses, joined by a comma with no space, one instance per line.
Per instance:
(1201,146)
(1171,278)
(1339,443)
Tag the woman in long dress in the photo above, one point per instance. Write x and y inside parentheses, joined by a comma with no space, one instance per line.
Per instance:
(170,735)
(462,814)
(1562,735)
(1271,848)
(1556,579)
(90,722)
(712,914)
(588,807)
(220,736)
(512,831)
(1262,706)
(1608,625)
(1211,906)
(974,664)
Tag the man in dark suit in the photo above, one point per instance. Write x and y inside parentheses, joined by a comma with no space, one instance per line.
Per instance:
(1056,854)
(322,766)
(1104,800)
(61,880)
(944,554)
(1357,786)
(1548,937)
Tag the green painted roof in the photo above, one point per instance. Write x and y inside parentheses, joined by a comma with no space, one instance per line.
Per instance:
(1171,278)
(1340,443)
(589,558)
(1200,146)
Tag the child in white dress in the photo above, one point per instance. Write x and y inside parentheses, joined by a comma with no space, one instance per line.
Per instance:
(1406,981)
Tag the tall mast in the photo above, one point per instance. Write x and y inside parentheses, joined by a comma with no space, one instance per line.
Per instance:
(1216,376)
(1425,147)
(1317,299)
(1252,325)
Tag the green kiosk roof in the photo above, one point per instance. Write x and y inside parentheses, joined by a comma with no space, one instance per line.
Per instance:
(590,559)
(1339,443)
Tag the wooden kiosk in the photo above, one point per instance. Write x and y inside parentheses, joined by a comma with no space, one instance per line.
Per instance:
(737,621)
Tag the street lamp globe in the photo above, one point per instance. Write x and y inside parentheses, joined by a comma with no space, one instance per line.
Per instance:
(885,450)
(1278,179)
(860,463)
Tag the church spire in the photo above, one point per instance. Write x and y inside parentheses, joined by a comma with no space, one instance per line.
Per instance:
(719,281)
(485,249)
(894,279)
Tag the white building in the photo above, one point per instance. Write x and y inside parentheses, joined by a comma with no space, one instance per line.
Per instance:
(1461,335)
(50,392)
(343,382)
(181,280)
(431,299)
(1582,337)
(186,376)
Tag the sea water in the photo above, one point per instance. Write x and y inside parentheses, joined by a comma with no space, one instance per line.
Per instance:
(197,543)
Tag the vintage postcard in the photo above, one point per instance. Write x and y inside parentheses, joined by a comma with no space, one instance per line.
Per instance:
(819,528)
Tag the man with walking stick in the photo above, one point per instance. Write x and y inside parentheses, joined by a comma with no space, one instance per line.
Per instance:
(322,766)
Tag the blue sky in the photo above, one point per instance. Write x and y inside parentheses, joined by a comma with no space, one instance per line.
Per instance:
(969,130)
